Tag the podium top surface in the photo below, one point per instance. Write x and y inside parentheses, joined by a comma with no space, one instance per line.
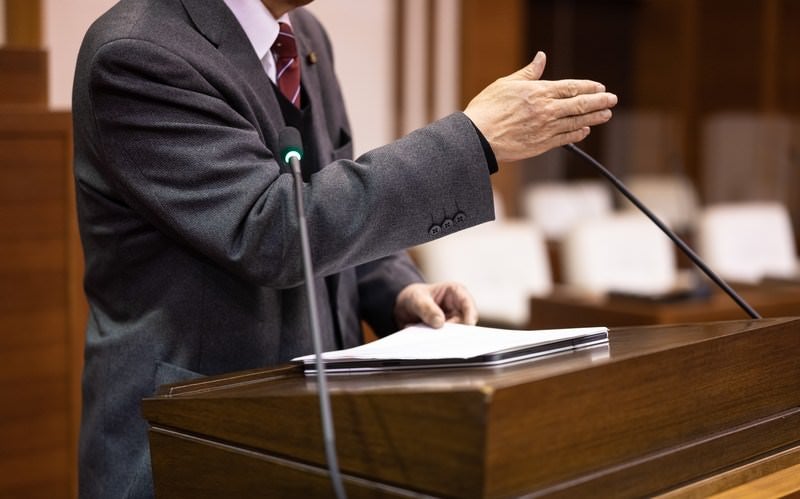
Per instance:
(624,344)
(672,403)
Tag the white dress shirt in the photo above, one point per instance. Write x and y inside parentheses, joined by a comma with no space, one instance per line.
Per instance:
(260,27)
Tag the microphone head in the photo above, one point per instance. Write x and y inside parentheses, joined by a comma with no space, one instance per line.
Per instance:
(290,144)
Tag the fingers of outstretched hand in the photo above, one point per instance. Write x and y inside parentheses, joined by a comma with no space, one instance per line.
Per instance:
(568,137)
(562,89)
(583,104)
(577,122)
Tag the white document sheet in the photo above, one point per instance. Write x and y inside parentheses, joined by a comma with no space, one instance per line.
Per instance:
(453,341)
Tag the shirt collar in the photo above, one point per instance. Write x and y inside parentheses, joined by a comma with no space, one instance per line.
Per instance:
(259,26)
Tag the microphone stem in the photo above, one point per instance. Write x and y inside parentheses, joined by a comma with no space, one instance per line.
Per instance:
(661,225)
(322,379)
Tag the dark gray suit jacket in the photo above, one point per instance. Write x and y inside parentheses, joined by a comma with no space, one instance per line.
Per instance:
(193,264)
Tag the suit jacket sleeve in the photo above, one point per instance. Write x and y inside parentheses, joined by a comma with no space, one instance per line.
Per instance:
(178,141)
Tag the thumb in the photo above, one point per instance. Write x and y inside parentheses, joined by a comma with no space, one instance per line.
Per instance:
(429,311)
(532,71)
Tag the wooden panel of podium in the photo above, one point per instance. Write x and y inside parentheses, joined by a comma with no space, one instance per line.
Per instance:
(661,409)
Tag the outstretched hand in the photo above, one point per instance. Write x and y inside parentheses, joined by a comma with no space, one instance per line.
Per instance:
(435,304)
(522,116)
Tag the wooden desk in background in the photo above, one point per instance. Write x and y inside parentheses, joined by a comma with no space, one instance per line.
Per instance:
(562,309)
(690,410)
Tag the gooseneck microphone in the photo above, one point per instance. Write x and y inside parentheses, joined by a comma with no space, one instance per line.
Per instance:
(666,230)
(290,145)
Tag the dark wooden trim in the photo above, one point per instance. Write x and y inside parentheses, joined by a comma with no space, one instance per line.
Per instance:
(23,77)
(493,45)
(399,63)
(431,60)
(741,475)
(690,113)
(770,36)
(24,23)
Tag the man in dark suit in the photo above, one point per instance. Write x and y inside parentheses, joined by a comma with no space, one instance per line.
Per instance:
(187,219)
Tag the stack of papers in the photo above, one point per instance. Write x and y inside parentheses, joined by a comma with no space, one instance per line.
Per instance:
(455,345)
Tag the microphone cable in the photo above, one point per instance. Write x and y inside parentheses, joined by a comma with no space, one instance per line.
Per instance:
(666,230)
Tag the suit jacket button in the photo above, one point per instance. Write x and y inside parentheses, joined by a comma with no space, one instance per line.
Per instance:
(434,230)
(460,217)
(447,224)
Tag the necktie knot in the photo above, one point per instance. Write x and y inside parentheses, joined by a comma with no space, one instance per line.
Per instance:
(285,46)
(287,64)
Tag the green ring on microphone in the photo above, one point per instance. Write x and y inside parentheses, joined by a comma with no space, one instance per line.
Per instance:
(291,152)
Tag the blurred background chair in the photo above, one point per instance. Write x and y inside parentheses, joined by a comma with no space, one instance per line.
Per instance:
(643,142)
(747,242)
(747,157)
(555,207)
(499,207)
(622,253)
(672,197)
(502,264)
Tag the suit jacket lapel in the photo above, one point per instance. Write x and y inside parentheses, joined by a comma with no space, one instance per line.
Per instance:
(218,24)
(308,71)
(313,89)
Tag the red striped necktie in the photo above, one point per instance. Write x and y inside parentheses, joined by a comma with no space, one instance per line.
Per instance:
(287,64)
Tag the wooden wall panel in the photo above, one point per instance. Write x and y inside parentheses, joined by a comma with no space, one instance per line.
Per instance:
(23,76)
(41,312)
(730,51)
(492,46)
(36,474)
(584,39)
(787,61)
(24,23)
(660,63)
(787,97)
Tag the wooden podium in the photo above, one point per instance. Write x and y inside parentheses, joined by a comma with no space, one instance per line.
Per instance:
(661,409)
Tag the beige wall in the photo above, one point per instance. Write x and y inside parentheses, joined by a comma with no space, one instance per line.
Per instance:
(444,48)
(363,36)
(363,40)
(368,93)
(65,22)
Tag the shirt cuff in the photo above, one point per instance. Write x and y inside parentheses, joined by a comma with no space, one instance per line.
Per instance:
(491,160)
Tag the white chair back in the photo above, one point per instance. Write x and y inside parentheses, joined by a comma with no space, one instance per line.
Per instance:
(672,198)
(501,264)
(746,242)
(555,207)
(621,252)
